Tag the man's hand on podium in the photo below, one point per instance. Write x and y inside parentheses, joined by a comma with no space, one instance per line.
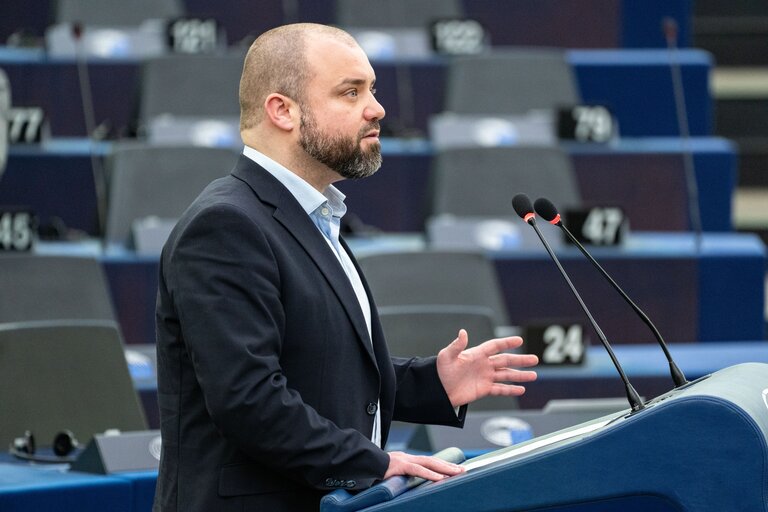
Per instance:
(423,466)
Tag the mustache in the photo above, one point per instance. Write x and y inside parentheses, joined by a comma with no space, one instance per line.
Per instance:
(374,125)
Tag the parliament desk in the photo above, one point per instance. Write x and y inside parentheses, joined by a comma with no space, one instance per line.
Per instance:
(42,489)
(596,378)
(710,290)
(635,85)
(644,365)
(645,177)
(26,488)
(54,488)
(707,293)
(556,23)
(713,292)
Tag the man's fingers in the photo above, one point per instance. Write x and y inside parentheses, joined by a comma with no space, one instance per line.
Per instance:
(432,468)
(512,375)
(429,468)
(458,345)
(514,360)
(499,389)
(498,345)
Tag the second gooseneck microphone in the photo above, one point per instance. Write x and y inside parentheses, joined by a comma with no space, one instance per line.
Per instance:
(522,205)
(548,212)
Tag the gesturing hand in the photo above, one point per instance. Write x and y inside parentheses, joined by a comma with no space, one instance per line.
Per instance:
(470,374)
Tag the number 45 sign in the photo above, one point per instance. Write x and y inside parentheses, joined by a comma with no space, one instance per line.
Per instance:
(17,230)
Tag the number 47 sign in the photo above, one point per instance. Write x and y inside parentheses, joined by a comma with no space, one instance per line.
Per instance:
(601,225)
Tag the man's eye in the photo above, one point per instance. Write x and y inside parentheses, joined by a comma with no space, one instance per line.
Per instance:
(353,93)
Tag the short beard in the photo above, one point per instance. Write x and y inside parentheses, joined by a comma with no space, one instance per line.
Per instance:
(341,154)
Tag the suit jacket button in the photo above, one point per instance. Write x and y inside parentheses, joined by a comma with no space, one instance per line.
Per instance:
(372,408)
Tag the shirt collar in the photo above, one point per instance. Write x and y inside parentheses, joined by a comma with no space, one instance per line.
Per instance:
(308,196)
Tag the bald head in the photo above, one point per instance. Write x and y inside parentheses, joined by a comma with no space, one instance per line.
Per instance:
(277,63)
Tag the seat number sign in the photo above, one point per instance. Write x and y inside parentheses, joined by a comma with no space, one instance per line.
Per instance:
(556,344)
(17,230)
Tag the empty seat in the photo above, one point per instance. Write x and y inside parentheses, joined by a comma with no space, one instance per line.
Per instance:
(133,29)
(190,86)
(510,82)
(65,375)
(462,279)
(39,287)
(395,13)
(480,182)
(115,12)
(423,330)
(396,29)
(158,181)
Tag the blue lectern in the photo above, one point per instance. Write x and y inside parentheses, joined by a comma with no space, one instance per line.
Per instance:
(698,448)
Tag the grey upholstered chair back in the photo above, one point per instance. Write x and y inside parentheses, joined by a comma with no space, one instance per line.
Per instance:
(423,330)
(197,86)
(480,182)
(115,12)
(509,82)
(395,13)
(159,181)
(448,278)
(65,375)
(40,287)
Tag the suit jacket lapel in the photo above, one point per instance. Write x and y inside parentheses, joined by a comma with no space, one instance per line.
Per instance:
(290,214)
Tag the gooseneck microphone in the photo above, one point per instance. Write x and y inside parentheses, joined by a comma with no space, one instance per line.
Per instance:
(669,27)
(548,212)
(522,205)
(89,116)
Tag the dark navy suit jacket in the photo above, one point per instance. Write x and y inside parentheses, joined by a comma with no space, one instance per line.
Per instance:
(268,381)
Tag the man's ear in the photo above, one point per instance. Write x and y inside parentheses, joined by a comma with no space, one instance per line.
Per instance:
(281,110)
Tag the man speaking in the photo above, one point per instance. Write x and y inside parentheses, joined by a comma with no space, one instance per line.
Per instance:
(275,384)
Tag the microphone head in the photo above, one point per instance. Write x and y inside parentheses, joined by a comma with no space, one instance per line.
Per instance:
(523,207)
(547,210)
(669,27)
(77,30)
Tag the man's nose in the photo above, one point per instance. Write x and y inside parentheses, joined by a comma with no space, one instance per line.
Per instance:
(375,110)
